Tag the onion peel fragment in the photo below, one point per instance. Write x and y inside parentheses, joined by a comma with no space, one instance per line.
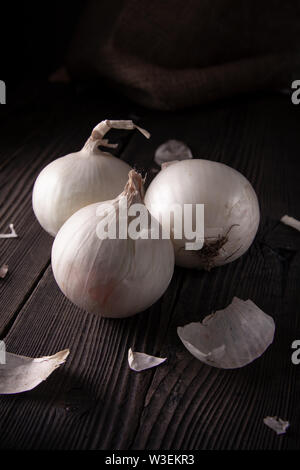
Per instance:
(229,338)
(287,220)
(20,374)
(172,150)
(277,424)
(140,361)
(12,233)
(3,270)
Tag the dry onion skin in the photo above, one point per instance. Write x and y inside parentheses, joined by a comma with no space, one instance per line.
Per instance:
(112,277)
(3,270)
(231,210)
(230,338)
(277,424)
(172,150)
(81,178)
(20,373)
(291,221)
(12,233)
(140,361)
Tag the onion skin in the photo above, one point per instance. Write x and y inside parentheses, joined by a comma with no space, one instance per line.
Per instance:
(231,209)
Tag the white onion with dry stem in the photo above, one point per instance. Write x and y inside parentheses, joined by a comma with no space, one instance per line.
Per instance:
(231,210)
(81,178)
(111,277)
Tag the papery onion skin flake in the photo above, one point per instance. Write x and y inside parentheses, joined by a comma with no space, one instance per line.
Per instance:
(230,338)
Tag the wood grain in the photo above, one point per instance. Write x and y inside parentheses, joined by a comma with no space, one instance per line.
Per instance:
(95,401)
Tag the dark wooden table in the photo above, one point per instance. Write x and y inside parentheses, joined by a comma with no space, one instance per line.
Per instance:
(94,401)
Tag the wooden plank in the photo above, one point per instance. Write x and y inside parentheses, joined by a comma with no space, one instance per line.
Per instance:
(94,401)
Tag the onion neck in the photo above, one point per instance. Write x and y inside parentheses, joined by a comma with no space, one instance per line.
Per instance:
(92,146)
(97,136)
(134,189)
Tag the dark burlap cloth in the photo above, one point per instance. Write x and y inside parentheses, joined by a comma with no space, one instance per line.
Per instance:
(170,54)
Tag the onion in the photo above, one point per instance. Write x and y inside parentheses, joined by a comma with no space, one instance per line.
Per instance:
(231,210)
(81,178)
(114,277)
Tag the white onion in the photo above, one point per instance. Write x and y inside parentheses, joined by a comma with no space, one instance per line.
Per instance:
(78,179)
(111,277)
(231,210)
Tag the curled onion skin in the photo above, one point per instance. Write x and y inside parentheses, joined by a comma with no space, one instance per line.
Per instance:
(231,209)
